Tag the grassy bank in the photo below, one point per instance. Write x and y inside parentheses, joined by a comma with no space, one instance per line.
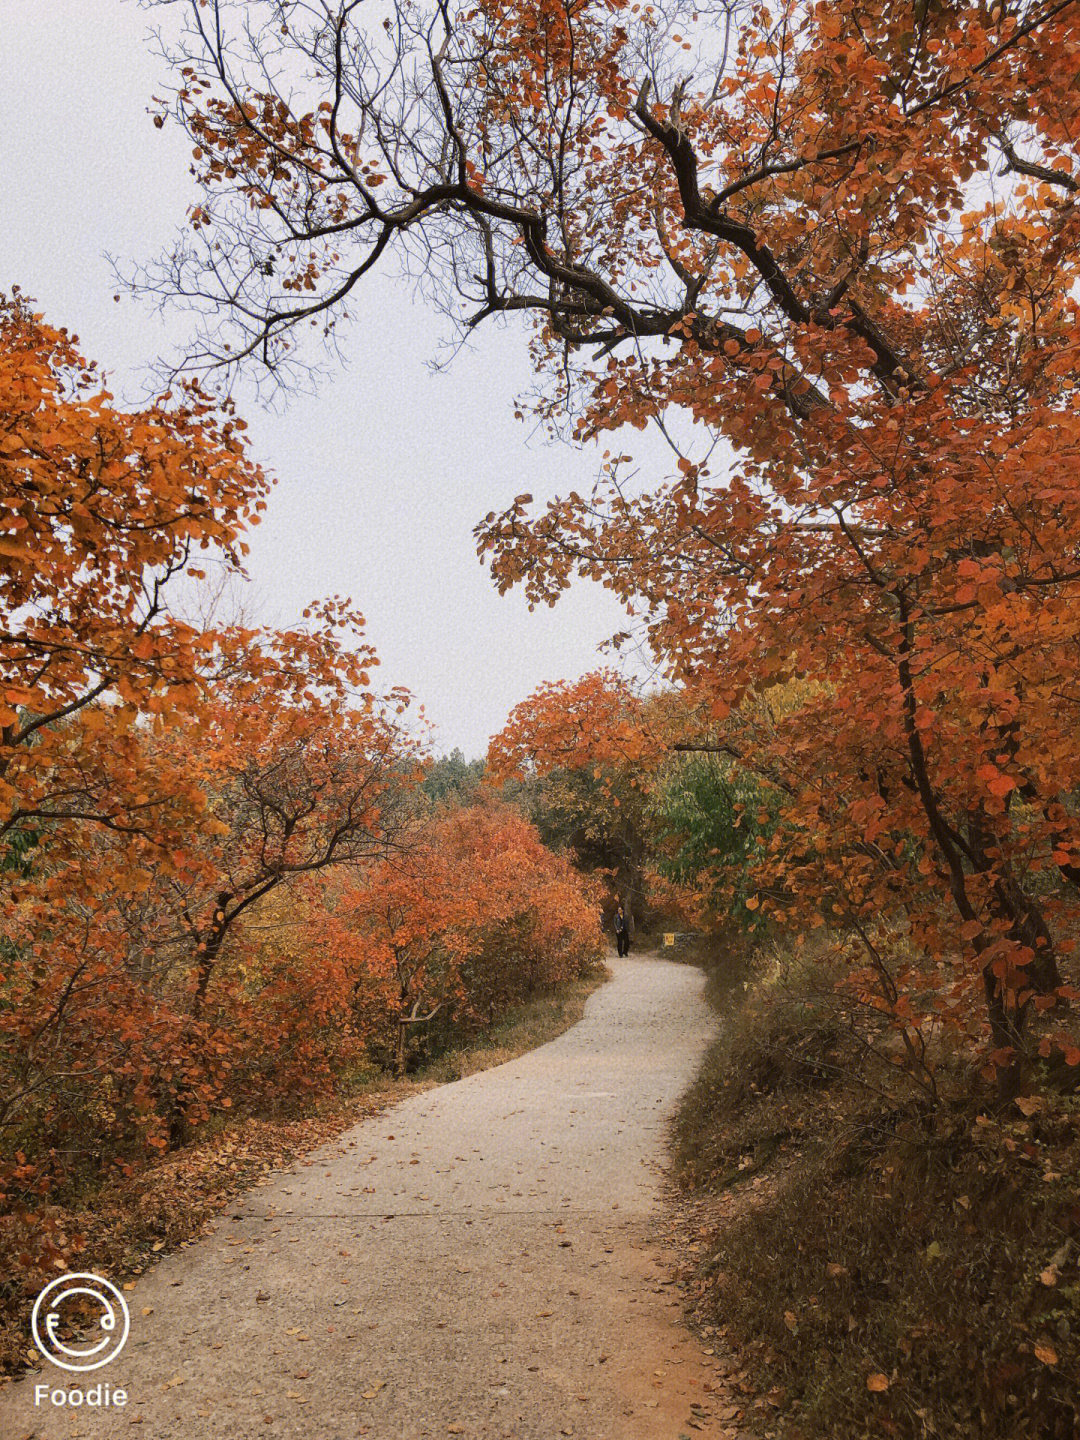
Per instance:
(121,1228)
(881,1265)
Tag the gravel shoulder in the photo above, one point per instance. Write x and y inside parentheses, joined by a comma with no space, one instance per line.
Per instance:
(479,1260)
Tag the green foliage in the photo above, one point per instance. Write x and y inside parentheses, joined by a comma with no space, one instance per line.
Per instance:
(598,819)
(711,819)
(453,778)
(20,844)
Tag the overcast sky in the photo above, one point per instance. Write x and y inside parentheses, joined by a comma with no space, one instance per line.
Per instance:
(382,477)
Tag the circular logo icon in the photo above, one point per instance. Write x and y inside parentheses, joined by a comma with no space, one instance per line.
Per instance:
(79,1292)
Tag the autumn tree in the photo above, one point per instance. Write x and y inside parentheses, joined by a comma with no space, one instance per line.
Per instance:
(158,778)
(842,241)
(103,511)
(610,775)
(477,915)
(303,767)
(584,753)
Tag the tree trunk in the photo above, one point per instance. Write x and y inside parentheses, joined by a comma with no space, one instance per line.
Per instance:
(400,1049)
(207,955)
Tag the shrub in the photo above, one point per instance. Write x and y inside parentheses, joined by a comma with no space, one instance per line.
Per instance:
(900,1269)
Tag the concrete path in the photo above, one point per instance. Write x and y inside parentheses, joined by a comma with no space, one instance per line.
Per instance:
(476,1262)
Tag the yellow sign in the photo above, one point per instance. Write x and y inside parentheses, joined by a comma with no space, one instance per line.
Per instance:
(669,940)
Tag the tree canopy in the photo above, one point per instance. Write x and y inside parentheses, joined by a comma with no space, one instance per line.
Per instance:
(843,242)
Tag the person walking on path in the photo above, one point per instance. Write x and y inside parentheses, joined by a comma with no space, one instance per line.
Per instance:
(622,930)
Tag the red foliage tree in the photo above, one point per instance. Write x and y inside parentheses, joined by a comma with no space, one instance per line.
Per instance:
(101,511)
(475,916)
(586,751)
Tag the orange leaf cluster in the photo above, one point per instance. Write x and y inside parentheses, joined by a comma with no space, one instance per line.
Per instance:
(477,916)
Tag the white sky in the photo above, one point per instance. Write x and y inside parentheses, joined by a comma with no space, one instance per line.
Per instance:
(382,477)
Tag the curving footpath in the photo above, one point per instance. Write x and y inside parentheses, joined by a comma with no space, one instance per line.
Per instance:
(475,1261)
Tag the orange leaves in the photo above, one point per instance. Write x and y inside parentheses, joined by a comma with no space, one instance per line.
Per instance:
(476,914)
(996,781)
(885,363)
(99,506)
(158,782)
(594,722)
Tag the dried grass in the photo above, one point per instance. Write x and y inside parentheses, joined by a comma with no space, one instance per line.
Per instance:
(890,1269)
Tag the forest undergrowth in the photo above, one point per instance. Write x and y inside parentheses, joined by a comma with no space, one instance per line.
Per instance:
(879,1265)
